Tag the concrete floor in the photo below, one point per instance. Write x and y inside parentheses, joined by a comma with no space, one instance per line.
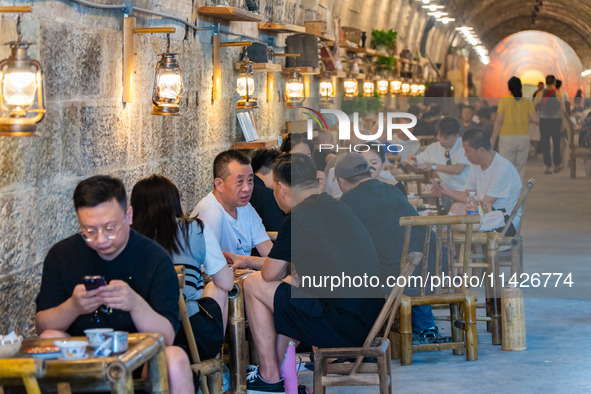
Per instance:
(557,238)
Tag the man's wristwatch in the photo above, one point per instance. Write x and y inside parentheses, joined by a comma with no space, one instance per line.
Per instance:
(434,167)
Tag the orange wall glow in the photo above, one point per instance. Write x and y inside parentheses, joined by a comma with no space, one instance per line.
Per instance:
(531,55)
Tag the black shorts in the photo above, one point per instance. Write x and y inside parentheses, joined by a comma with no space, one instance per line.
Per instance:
(304,319)
(208,329)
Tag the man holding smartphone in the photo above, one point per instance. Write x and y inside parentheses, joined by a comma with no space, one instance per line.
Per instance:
(140,292)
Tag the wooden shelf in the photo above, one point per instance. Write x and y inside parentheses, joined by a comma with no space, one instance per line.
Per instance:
(358,50)
(254,144)
(358,76)
(281,28)
(264,67)
(338,74)
(230,14)
(302,70)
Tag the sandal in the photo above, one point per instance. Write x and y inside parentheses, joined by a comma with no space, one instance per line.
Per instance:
(558,169)
(548,171)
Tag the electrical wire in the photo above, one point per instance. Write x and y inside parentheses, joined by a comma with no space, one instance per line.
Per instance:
(174,18)
(99,6)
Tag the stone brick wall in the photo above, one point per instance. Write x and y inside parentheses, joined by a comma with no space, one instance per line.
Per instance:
(88,130)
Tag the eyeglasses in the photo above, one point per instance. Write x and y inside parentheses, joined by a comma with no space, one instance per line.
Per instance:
(447,158)
(90,234)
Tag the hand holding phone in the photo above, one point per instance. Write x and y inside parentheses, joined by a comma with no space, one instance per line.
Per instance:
(92,282)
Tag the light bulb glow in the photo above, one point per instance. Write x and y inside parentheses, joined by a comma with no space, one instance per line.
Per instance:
(405,88)
(368,88)
(19,88)
(383,87)
(350,86)
(414,89)
(169,85)
(326,89)
(395,86)
(244,82)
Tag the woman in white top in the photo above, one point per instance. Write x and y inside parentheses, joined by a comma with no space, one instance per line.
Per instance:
(157,214)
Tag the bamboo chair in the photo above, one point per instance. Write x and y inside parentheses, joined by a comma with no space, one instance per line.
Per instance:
(359,372)
(464,340)
(211,367)
(26,369)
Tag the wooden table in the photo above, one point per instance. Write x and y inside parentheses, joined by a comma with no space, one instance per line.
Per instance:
(113,373)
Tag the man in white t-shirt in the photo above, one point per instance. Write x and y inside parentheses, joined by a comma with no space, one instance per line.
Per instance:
(494,179)
(446,156)
(227,211)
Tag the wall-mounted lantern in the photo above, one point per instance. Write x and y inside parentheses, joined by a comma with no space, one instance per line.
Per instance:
(350,87)
(405,88)
(294,90)
(368,89)
(395,86)
(168,86)
(422,89)
(383,87)
(326,90)
(414,89)
(245,86)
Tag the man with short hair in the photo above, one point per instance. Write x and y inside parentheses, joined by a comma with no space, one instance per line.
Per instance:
(551,107)
(262,199)
(380,206)
(446,156)
(141,294)
(494,179)
(467,119)
(227,211)
(319,236)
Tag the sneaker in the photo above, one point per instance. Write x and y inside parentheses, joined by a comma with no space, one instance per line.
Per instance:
(255,384)
(431,332)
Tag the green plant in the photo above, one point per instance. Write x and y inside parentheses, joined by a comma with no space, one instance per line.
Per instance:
(385,63)
(385,38)
(361,105)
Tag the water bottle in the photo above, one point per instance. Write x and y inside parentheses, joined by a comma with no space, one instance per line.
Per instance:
(288,370)
(472,204)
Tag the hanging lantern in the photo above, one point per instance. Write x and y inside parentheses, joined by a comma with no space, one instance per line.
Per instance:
(294,90)
(21,92)
(326,90)
(383,87)
(368,88)
(422,89)
(245,86)
(350,86)
(405,88)
(395,86)
(414,89)
(168,86)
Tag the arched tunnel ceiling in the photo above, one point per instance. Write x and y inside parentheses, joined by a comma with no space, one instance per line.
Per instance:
(494,20)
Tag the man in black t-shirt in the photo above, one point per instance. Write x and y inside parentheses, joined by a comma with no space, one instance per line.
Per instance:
(262,199)
(141,291)
(319,236)
(380,206)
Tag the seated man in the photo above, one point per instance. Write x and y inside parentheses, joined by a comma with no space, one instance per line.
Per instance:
(467,119)
(226,209)
(380,206)
(142,291)
(319,235)
(262,199)
(446,156)
(494,179)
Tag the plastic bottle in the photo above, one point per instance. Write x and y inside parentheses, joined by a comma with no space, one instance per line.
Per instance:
(288,370)
(472,204)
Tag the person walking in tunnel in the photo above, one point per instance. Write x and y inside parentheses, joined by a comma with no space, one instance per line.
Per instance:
(551,106)
(512,124)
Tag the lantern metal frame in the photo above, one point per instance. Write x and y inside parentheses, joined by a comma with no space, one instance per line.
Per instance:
(294,102)
(21,120)
(165,106)
(247,101)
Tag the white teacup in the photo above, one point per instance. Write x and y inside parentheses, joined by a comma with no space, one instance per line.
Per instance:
(97,336)
(72,350)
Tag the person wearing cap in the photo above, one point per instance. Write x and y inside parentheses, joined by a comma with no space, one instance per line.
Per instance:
(380,206)
(319,236)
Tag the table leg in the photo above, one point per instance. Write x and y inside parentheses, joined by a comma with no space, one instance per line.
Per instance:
(157,372)
(237,339)
(493,300)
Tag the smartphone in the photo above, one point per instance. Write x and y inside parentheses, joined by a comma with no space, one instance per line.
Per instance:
(92,282)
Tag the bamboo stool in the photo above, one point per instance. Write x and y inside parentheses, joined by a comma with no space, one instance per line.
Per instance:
(362,373)
(27,369)
(460,301)
(209,368)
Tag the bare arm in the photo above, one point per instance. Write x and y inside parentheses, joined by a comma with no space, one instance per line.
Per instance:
(274,270)
(496,129)
(264,247)
(237,261)
(534,118)
(445,168)
(224,278)
(62,316)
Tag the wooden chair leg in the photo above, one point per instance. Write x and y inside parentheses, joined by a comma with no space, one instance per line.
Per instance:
(215,382)
(31,385)
(383,373)
(319,372)
(517,256)
(471,334)
(389,371)
(394,339)
(456,334)
(405,331)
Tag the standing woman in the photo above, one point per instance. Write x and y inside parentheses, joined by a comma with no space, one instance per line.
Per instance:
(512,124)
(158,215)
